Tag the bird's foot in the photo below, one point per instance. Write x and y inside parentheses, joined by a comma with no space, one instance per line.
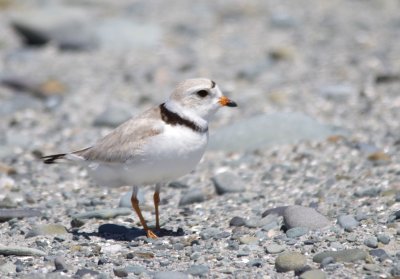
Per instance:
(150,234)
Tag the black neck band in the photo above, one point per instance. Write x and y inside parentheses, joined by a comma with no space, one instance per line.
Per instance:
(173,119)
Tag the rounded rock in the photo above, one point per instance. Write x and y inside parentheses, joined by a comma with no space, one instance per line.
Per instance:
(290,261)
(275,249)
(300,216)
(313,274)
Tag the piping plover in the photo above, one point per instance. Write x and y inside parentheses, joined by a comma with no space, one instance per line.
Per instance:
(157,146)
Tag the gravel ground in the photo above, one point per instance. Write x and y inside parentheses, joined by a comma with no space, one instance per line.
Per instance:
(302,180)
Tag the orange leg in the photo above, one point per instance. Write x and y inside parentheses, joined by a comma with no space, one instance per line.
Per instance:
(156,198)
(135,205)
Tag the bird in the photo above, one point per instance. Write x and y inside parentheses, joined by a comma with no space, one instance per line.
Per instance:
(155,147)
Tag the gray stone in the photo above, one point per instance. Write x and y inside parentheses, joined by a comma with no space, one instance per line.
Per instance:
(347,222)
(8,214)
(384,238)
(327,261)
(194,195)
(104,213)
(300,216)
(338,92)
(290,261)
(347,255)
(246,239)
(296,232)
(85,271)
(20,251)
(255,263)
(198,270)
(125,200)
(395,271)
(274,248)
(237,222)
(170,275)
(269,130)
(209,233)
(370,192)
(112,117)
(47,229)
(371,267)
(228,182)
(313,274)
(59,264)
(379,253)
(371,242)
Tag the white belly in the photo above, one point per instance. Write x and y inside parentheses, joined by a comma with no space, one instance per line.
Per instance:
(167,156)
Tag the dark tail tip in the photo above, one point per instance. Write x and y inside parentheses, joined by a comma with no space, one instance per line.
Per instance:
(51,159)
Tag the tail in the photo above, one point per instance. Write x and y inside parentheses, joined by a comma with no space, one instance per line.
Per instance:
(52,159)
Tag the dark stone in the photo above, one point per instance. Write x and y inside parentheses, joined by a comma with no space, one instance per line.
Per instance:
(237,222)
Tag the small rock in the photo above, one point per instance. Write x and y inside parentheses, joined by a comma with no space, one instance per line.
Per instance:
(379,253)
(8,214)
(228,182)
(48,229)
(248,240)
(170,275)
(274,248)
(255,263)
(7,268)
(338,92)
(104,213)
(60,264)
(20,251)
(347,255)
(371,267)
(327,261)
(313,274)
(111,249)
(347,222)
(112,117)
(237,222)
(84,271)
(296,232)
(198,270)
(371,242)
(379,157)
(209,233)
(77,223)
(384,238)
(290,261)
(395,271)
(370,192)
(300,216)
(194,195)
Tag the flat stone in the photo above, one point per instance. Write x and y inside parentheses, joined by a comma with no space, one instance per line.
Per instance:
(198,270)
(296,232)
(274,248)
(228,182)
(338,92)
(85,271)
(194,195)
(290,261)
(379,253)
(300,216)
(20,251)
(371,267)
(104,213)
(170,275)
(248,240)
(347,255)
(313,274)
(47,229)
(8,214)
(347,222)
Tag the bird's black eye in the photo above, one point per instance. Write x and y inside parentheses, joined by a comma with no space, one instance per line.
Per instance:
(202,93)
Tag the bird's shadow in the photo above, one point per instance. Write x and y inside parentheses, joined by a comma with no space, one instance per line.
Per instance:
(122,233)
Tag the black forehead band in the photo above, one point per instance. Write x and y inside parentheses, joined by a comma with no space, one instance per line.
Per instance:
(212,84)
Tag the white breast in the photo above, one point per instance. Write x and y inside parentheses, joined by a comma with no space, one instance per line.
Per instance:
(167,156)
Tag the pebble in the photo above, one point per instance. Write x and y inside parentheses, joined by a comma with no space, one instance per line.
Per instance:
(7,268)
(296,232)
(379,253)
(237,222)
(274,248)
(228,182)
(170,275)
(313,274)
(194,195)
(198,270)
(371,267)
(20,251)
(338,92)
(347,222)
(86,271)
(384,238)
(347,255)
(300,216)
(60,265)
(47,229)
(104,213)
(395,271)
(112,117)
(255,263)
(290,261)
(248,240)
(209,233)
(8,214)
(371,242)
